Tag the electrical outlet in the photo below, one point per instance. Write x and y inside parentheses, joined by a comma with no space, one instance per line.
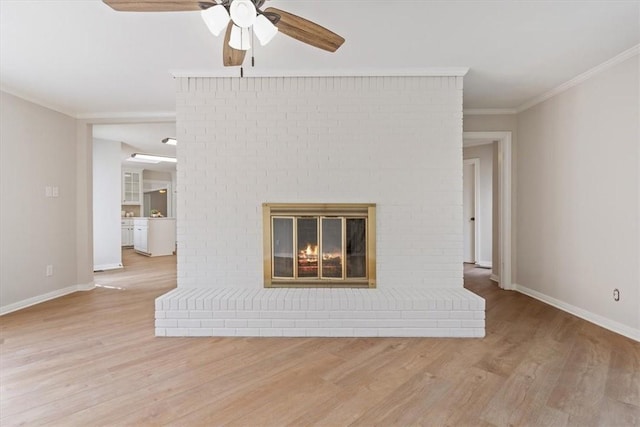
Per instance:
(55,191)
(49,271)
(48,191)
(616,294)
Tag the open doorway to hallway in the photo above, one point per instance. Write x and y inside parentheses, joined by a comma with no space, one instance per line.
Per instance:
(480,220)
(502,256)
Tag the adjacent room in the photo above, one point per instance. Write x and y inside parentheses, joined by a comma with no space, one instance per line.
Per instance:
(267,212)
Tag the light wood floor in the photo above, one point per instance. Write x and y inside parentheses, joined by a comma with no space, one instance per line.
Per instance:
(91,359)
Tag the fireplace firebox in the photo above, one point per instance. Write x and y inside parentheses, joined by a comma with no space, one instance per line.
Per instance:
(319,245)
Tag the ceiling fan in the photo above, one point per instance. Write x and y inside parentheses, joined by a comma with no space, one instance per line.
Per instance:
(238,16)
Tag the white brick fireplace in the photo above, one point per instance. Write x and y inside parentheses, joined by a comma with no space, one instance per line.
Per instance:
(392,141)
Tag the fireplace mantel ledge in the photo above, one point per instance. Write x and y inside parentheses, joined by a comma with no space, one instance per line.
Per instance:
(396,312)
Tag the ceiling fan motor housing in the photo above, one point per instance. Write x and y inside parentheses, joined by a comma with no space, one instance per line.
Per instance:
(243,13)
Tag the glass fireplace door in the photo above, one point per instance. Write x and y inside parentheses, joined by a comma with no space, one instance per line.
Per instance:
(319,245)
(332,248)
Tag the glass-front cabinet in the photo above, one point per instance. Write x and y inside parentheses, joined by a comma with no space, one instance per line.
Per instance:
(131,187)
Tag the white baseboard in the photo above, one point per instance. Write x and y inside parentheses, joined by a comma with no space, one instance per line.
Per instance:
(484,264)
(104,267)
(609,324)
(494,278)
(10,308)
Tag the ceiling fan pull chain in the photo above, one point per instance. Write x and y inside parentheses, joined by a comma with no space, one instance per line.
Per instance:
(253,44)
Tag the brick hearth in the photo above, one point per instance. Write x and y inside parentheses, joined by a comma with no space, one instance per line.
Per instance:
(320,312)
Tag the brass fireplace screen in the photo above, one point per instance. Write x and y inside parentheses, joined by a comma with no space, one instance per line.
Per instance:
(319,245)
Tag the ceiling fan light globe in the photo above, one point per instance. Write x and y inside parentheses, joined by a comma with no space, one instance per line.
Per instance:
(243,13)
(216,18)
(240,38)
(264,30)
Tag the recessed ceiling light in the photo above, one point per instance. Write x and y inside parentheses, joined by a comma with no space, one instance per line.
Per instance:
(139,160)
(152,158)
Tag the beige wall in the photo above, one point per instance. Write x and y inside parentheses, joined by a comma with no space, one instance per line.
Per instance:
(578,198)
(37,149)
(491,123)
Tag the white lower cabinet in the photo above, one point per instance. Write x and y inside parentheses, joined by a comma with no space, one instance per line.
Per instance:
(140,235)
(127,232)
(154,236)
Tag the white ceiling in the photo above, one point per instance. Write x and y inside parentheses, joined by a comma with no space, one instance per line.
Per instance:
(83,58)
(140,138)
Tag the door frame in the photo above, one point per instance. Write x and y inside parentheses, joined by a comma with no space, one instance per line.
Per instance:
(505,207)
(476,202)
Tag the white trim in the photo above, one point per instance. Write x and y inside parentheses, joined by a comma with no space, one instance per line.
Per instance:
(6,309)
(126,117)
(476,142)
(505,209)
(484,264)
(329,72)
(609,324)
(488,111)
(144,116)
(494,278)
(476,206)
(104,267)
(629,53)
(37,101)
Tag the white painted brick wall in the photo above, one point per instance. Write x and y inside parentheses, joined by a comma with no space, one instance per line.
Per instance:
(394,141)
(398,312)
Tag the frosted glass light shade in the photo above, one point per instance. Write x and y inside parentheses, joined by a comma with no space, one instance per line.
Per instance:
(264,29)
(216,18)
(152,158)
(243,13)
(240,39)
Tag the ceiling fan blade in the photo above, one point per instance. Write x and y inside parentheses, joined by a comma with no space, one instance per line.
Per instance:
(306,31)
(157,5)
(231,57)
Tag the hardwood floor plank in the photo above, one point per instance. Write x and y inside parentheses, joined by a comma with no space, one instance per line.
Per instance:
(616,413)
(526,391)
(465,400)
(581,384)
(294,387)
(169,397)
(91,358)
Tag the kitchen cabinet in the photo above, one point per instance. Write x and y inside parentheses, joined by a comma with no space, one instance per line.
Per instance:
(154,236)
(131,187)
(127,231)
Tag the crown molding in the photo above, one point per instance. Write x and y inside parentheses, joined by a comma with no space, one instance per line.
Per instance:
(125,117)
(253,72)
(629,53)
(128,117)
(37,101)
(488,111)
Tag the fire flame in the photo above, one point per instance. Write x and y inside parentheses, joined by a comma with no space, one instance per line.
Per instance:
(309,254)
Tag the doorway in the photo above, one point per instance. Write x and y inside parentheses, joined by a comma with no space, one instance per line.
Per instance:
(502,256)
(470,183)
